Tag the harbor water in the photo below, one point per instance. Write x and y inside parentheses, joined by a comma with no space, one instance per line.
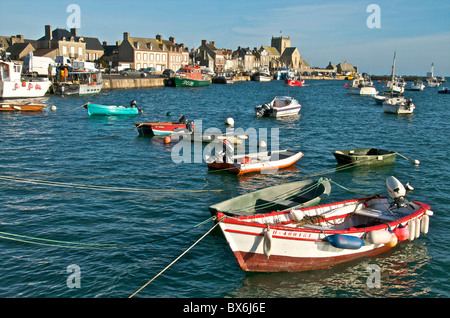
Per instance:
(89,209)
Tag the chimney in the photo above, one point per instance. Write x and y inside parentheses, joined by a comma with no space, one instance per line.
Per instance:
(172,39)
(203,42)
(74,31)
(105,43)
(159,37)
(212,43)
(48,32)
(126,36)
(118,43)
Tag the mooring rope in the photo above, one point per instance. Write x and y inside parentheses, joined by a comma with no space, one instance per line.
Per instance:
(173,262)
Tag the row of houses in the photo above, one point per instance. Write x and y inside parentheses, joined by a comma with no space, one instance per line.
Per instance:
(137,52)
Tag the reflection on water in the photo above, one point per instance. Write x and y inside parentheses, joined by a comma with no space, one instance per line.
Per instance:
(400,276)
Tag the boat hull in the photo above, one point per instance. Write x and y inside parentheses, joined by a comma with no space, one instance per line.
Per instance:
(10,89)
(160,129)
(292,248)
(79,89)
(365,91)
(365,156)
(105,110)
(11,107)
(296,195)
(186,82)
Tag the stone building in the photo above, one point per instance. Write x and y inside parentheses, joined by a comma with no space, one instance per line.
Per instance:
(146,52)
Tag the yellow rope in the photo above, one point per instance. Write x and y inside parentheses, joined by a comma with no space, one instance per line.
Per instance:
(181,255)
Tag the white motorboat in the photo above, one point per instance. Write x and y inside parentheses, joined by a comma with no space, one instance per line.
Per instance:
(280,106)
(433,82)
(361,86)
(398,105)
(417,85)
(13,85)
(262,75)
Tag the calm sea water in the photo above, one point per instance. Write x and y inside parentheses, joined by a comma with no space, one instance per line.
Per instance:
(88,196)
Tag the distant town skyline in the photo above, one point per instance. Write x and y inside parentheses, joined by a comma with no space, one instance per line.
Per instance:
(325,31)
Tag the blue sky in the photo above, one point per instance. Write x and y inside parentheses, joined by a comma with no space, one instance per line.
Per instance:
(323,31)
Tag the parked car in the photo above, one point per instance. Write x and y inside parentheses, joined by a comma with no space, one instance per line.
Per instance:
(132,72)
(168,72)
(148,70)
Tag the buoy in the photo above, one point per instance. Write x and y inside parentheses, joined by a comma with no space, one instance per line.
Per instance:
(229,121)
(425,224)
(53,107)
(38,86)
(30,86)
(412,230)
(297,215)
(393,241)
(379,237)
(169,114)
(262,144)
(167,140)
(267,244)
(401,232)
(345,241)
(417,228)
(16,86)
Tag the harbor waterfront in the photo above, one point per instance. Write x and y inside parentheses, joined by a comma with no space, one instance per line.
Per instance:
(90,209)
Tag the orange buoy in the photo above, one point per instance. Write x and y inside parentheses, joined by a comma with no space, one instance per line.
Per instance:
(167,140)
(401,232)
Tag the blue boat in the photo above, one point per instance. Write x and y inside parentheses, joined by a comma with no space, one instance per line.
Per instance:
(112,110)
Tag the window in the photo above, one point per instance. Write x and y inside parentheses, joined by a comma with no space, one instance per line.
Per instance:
(64,50)
(145,56)
(157,57)
(151,56)
(164,57)
(138,56)
(80,51)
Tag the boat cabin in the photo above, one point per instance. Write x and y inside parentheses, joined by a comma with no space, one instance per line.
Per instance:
(10,71)
(85,78)
(190,72)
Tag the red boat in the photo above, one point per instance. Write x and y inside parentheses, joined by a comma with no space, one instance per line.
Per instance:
(164,128)
(294,81)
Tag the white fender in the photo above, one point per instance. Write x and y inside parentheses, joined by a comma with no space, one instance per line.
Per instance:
(267,244)
(412,229)
(417,227)
(378,237)
(425,224)
(297,215)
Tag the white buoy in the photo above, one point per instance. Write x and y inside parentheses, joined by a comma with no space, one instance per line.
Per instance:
(53,107)
(412,229)
(267,244)
(229,121)
(416,162)
(262,144)
(417,227)
(425,223)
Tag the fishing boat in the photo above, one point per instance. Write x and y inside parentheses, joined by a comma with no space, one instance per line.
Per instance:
(14,85)
(262,75)
(21,107)
(417,85)
(299,194)
(365,156)
(280,106)
(292,81)
(86,82)
(432,81)
(443,90)
(165,128)
(361,85)
(191,76)
(111,110)
(223,78)
(398,105)
(262,162)
(325,235)
(283,73)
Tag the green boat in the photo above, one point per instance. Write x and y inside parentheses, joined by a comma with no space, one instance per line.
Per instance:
(293,195)
(191,76)
(365,156)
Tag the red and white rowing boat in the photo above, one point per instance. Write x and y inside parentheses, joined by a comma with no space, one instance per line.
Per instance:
(326,235)
(165,128)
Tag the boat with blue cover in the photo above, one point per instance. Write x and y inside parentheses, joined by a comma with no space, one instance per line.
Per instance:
(112,110)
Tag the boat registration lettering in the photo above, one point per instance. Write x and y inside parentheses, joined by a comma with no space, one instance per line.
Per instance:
(292,234)
(188,83)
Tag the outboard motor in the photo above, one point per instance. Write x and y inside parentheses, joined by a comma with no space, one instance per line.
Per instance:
(263,110)
(396,191)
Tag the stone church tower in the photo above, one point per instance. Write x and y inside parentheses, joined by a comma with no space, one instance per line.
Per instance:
(281,43)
